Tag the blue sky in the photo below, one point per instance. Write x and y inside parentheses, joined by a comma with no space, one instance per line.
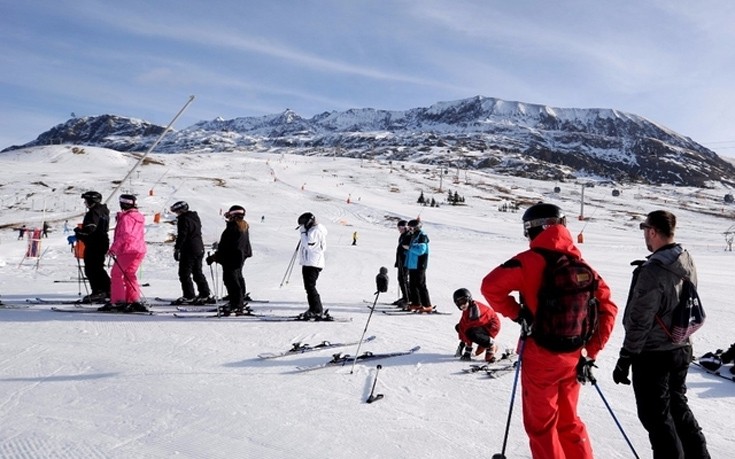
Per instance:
(672,62)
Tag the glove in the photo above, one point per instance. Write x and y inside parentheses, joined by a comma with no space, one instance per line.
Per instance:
(525,319)
(177,255)
(210,259)
(467,356)
(622,368)
(77,230)
(460,349)
(584,370)
(71,240)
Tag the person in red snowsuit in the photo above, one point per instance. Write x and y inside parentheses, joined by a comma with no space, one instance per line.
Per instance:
(479,324)
(550,380)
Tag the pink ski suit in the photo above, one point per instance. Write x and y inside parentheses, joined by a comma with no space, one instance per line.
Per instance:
(127,249)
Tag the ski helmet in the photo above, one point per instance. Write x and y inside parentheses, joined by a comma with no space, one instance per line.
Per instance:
(307,220)
(235,212)
(414,224)
(127,201)
(180,206)
(92,197)
(540,216)
(461,296)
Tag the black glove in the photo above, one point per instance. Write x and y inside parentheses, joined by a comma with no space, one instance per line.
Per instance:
(622,368)
(460,349)
(525,319)
(77,230)
(467,356)
(177,255)
(584,370)
(210,259)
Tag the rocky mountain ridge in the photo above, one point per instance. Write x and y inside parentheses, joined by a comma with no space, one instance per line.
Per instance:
(515,138)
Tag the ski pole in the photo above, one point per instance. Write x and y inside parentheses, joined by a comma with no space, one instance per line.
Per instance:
(127,279)
(381,284)
(377,294)
(289,269)
(211,275)
(522,345)
(374,398)
(594,383)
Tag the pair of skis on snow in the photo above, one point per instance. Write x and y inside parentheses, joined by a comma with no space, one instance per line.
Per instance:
(507,363)
(339,359)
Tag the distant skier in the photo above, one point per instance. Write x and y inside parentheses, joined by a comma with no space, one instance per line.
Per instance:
(354,238)
(127,250)
(189,252)
(311,257)
(232,251)
(93,233)
(21,232)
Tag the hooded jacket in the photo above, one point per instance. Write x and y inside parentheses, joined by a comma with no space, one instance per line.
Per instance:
(189,234)
(655,290)
(129,233)
(524,274)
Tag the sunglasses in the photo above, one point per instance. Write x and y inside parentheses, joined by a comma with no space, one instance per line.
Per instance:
(645,226)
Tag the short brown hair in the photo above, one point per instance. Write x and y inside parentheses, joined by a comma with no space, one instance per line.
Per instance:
(662,221)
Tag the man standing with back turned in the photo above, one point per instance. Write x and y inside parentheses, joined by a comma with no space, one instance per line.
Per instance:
(659,365)
(550,378)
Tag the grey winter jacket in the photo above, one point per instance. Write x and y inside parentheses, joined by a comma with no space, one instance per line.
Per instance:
(655,290)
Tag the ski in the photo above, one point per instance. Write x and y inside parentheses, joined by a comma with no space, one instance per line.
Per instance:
(300,348)
(401,312)
(298,318)
(14,306)
(381,304)
(172,301)
(340,359)
(213,315)
(55,301)
(507,358)
(83,310)
(717,373)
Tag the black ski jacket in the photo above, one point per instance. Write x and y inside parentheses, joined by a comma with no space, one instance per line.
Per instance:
(234,245)
(189,234)
(95,225)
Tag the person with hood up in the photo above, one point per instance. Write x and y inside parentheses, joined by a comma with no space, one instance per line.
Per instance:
(550,379)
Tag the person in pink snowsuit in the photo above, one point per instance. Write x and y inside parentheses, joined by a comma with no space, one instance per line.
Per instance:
(127,250)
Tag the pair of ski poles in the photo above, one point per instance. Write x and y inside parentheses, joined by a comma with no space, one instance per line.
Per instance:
(289,269)
(522,347)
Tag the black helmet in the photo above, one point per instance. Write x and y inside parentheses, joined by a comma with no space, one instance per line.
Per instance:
(235,212)
(462,296)
(92,196)
(307,220)
(540,216)
(127,201)
(414,224)
(180,206)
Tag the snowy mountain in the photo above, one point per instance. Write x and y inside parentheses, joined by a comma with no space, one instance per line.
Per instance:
(159,387)
(514,138)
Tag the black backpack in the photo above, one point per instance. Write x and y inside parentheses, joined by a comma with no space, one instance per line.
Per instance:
(567,314)
(688,315)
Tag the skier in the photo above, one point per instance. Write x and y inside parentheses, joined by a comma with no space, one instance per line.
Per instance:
(189,252)
(311,257)
(21,232)
(127,251)
(46,227)
(550,379)
(232,251)
(417,260)
(354,238)
(93,233)
(479,324)
(404,239)
(659,365)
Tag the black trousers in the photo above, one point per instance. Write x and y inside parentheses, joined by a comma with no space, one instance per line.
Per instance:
(190,266)
(659,384)
(235,285)
(480,335)
(94,269)
(403,282)
(417,291)
(310,275)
